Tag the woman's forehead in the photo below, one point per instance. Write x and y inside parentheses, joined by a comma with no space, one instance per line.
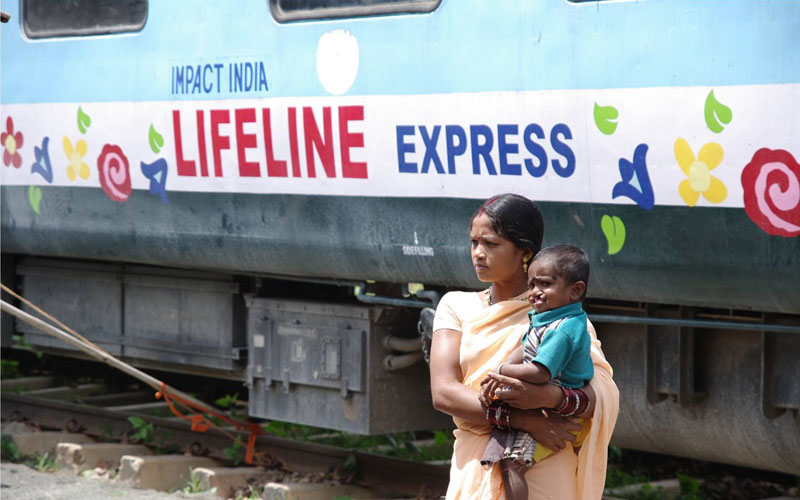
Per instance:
(482,226)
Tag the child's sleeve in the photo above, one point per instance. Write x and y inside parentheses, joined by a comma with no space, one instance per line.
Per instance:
(555,352)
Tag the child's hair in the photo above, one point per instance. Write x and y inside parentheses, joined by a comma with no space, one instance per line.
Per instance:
(569,261)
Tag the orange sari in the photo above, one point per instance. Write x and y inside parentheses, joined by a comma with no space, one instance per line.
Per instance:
(488,335)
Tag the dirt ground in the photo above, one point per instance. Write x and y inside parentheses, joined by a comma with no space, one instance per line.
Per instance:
(20,482)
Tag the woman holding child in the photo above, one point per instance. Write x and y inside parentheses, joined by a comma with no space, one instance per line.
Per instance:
(476,332)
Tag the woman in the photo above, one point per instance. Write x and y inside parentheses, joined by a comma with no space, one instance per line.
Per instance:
(475,331)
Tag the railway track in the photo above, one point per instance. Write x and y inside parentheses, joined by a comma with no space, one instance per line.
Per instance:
(47,409)
(103,413)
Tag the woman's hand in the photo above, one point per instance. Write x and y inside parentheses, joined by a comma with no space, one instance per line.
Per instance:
(526,396)
(547,428)
(488,388)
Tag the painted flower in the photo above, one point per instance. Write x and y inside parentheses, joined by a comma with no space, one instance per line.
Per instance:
(76,167)
(771,183)
(11,142)
(698,170)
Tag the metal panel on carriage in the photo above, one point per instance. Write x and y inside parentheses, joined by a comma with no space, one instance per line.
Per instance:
(183,317)
(87,297)
(322,365)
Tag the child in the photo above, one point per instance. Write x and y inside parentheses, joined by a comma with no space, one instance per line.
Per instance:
(555,347)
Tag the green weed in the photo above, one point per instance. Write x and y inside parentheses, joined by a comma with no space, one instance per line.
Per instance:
(9,368)
(235,453)
(145,430)
(9,451)
(44,462)
(252,494)
(690,487)
(195,484)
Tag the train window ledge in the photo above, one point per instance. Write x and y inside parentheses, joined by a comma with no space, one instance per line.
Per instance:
(43,19)
(303,10)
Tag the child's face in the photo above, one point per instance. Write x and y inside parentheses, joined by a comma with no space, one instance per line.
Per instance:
(547,290)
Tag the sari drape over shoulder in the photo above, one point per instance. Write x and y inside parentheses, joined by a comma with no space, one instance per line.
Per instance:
(488,336)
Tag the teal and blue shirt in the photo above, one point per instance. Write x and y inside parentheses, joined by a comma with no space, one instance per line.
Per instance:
(559,341)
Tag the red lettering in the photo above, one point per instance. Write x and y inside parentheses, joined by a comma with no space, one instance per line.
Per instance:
(347,140)
(275,168)
(246,141)
(185,167)
(219,142)
(293,142)
(201,143)
(313,141)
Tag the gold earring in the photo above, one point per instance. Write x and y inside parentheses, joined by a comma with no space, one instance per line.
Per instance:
(525,265)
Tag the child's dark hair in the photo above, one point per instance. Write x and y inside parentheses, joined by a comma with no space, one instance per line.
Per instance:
(515,218)
(569,261)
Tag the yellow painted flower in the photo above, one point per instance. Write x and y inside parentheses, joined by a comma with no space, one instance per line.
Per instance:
(698,171)
(76,167)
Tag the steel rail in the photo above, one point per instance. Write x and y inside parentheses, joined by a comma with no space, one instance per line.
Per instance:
(375,471)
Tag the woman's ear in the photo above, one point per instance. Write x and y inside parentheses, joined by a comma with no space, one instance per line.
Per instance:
(577,290)
(527,255)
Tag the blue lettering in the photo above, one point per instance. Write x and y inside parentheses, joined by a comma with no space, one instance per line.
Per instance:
(403,148)
(206,80)
(248,77)
(562,149)
(430,149)
(504,149)
(197,77)
(218,67)
(535,149)
(452,132)
(482,150)
(188,78)
(237,77)
(262,77)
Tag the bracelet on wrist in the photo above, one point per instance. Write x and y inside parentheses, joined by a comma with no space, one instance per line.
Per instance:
(575,402)
(498,414)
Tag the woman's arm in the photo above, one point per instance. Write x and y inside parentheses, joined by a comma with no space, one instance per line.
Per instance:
(452,397)
(527,396)
(449,393)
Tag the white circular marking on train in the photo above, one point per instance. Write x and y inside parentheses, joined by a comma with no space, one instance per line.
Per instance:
(337,61)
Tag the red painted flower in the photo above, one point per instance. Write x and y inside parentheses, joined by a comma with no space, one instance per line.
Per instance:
(115,178)
(771,183)
(12,142)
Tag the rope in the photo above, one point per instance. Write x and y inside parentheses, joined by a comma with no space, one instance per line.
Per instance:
(43,313)
(200,423)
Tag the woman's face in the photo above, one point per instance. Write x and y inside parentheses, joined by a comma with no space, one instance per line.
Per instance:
(494,257)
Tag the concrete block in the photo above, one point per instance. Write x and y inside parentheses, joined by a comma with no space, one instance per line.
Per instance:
(14,427)
(66,393)
(80,457)
(160,472)
(37,443)
(667,489)
(14,385)
(314,491)
(224,479)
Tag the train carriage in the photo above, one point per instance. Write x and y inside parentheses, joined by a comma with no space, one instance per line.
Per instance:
(245,189)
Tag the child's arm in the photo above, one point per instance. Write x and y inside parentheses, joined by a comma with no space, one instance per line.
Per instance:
(489,386)
(533,373)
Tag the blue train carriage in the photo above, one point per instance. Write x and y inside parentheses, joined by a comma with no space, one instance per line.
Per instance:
(202,185)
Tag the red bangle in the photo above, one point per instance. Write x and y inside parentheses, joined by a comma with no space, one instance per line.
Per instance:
(499,415)
(575,402)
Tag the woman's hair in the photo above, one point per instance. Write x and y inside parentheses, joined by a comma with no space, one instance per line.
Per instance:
(515,218)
